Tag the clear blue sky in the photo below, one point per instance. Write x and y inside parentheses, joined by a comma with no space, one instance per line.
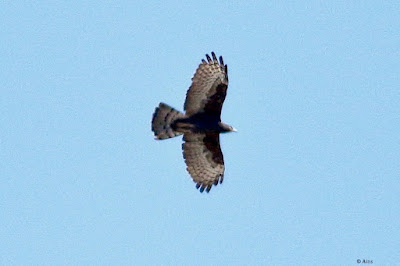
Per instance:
(312,176)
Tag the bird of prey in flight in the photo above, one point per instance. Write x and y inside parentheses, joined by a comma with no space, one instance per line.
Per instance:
(200,124)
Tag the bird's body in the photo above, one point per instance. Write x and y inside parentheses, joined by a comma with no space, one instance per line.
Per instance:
(201,124)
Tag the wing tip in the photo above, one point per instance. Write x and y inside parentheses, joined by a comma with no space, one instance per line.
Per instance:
(221,60)
(214,57)
(208,58)
(203,187)
(207,187)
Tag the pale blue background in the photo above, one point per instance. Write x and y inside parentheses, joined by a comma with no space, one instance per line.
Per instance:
(312,176)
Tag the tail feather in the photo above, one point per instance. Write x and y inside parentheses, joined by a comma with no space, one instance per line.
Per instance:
(163,117)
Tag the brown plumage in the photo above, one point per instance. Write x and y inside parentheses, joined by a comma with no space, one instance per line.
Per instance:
(201,124)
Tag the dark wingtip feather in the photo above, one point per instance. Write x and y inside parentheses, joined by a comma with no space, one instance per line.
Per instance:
(208,58)
(221,60)
(214,57)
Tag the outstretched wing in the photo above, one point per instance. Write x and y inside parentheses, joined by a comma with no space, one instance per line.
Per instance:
(204,159)
(208,90)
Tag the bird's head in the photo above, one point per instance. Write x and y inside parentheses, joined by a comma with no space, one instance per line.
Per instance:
(226,128)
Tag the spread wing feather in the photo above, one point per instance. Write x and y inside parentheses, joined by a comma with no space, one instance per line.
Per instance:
(208,90)
(204,159)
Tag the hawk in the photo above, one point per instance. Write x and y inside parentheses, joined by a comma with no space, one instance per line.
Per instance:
(200,124)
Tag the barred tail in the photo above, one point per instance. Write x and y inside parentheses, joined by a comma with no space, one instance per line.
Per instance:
(163,117)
